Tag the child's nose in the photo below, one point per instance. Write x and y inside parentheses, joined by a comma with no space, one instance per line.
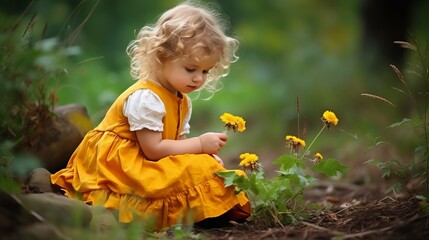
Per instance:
(198,77)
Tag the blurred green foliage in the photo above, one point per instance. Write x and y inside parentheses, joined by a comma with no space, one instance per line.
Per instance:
(30,65)
(292,53)
(412,129)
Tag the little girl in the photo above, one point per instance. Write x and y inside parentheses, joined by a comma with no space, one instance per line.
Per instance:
(138,159)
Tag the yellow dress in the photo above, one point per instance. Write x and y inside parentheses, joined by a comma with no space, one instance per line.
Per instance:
(109,169)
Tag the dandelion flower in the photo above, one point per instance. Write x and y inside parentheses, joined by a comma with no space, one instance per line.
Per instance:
(233,122)
(317,157)
(294,143)
(250,162)
(227,118)
(329,119)
(240,123)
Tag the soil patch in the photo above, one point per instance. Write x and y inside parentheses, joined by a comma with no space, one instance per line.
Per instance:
(348,211)
(353,213)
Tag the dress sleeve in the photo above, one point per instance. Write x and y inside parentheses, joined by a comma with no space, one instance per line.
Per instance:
(144,109)
(186,127)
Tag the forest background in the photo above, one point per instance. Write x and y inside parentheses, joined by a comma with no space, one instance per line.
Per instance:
(308,55)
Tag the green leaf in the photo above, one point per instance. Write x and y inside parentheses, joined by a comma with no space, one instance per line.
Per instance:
(288,178)
(398,124)
(396,186)
(421,149)
(253,180)
(229,177)
(375,161)
(386,173)
(287,162)
(306,179)
(329,167)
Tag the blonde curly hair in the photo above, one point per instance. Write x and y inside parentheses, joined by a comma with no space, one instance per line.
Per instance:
(178,33)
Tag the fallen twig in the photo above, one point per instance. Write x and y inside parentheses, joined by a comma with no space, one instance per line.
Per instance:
(334,232)
(361,234)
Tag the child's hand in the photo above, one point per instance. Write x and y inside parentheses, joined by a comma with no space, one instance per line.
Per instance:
(211,143)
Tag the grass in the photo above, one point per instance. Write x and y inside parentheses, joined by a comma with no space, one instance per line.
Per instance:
(408,166)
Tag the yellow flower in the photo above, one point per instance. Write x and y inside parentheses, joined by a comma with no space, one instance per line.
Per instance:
(227,118)
(318,156)
(240,123)
(294,143)
(289,137)
(249,161)
(233,122)
(329,119)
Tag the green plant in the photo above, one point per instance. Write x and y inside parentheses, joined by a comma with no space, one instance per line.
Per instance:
(28,65)
(279,201)
(413,128)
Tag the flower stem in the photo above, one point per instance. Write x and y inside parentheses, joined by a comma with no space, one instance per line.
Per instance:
(226,130)
(311,144)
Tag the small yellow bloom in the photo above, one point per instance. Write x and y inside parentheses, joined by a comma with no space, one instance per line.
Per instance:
(289,137)
(294,143)
(227,118)
(233,122)
(249,161)
(240,123)
(329,119)
(317,157)
(300,142)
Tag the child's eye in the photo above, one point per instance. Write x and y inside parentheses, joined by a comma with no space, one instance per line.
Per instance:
(189,69)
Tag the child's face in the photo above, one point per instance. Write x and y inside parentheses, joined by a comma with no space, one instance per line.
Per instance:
(186,74)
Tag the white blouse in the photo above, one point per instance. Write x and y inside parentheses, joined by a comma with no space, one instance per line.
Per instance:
(144,109)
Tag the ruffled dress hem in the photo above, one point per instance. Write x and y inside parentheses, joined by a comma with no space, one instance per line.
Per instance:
(205,200)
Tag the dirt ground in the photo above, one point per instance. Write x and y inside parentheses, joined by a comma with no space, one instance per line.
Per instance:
(351,211)
(354,212)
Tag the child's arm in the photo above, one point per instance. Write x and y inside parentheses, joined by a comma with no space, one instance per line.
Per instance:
(155,148)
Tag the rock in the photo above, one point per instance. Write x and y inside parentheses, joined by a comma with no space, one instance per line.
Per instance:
(52,216)
(55,144)
(13,214)
(37,231)
(56,140)
(77,115)
(17,222)
(39,181)
(103,221)
(57,209)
